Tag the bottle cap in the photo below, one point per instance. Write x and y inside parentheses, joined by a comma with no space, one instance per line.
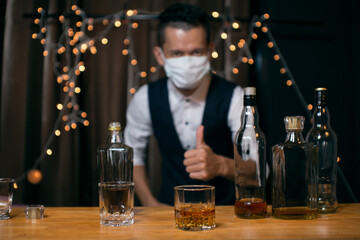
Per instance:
(114,126)
(321,89)
(250,91)
(294,122)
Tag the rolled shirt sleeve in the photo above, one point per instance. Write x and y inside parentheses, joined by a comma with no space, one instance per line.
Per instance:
(138,125)
(235,109)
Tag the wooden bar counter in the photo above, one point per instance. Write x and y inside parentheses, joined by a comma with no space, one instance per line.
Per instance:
(158,223)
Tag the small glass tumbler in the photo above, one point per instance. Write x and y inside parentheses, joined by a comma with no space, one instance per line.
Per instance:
(194,207)
(6,197)
(116,200)
(34,212)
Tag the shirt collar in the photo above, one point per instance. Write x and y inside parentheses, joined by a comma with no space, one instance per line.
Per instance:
(198,96)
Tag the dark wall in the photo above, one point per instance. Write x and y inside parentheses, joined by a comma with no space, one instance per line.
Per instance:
(317,40)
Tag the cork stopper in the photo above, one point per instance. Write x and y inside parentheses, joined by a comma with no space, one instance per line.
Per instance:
(294,123)
(250,91)
(114,126)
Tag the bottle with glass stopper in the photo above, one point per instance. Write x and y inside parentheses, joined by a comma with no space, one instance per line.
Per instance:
(250,162)
(116,186)
(115,159)
(295,174)
(322,136)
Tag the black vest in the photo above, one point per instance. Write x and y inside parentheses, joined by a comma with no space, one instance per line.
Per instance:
(216,134)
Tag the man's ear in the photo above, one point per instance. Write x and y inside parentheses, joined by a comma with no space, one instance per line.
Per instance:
(158,55)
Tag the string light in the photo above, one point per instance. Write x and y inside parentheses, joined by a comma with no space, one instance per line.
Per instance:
(49,152)
(235,25)
(129,13)
(59,106)
(258,24)
(232,47)
(235,71)
(270,44)
(77,90)
(282,70)
(276,57)
(215,14)
(135,25)
(310,107)
(132,90)
(125,52)
(57,133)
(34,176)
(117,23)
(224,36)
(104,41)
(214,55)
(153,69)
(143,74)
(289,83)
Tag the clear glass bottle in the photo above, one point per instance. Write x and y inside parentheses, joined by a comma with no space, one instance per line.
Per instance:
(322,136)
(115,159)
(250,162)
(295,174)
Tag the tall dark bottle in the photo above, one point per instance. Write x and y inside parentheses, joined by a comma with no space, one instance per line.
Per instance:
(322,136)
(250,162)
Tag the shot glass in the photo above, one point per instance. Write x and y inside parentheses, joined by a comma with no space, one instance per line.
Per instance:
(6,197)
(116,202)
(194,207)
(34,212)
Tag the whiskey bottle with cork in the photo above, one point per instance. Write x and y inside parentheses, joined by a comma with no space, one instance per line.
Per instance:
(322,136)
(295,174)
(250,162)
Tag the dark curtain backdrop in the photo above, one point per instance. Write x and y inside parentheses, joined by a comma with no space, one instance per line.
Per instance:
(318,39)
(29,94)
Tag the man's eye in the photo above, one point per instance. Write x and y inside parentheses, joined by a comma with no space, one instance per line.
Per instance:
(176,54)
(197,53)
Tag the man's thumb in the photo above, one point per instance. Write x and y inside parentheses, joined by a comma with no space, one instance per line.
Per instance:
(200,136)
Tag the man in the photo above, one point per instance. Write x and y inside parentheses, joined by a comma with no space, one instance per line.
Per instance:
(194,115)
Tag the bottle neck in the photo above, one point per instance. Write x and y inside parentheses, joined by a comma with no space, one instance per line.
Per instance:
(321,115)
(250,116)
(115,137)
(294,136)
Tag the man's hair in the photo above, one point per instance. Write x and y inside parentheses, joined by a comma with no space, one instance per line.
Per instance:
(182,16)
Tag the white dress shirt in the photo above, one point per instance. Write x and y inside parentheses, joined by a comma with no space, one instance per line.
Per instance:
(185,112)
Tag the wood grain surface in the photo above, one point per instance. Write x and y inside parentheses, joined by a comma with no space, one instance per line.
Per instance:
(158,223)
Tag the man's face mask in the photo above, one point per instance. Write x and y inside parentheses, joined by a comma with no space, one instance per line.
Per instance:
(187,71)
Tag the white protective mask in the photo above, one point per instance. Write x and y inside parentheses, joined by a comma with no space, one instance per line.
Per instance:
(187,71)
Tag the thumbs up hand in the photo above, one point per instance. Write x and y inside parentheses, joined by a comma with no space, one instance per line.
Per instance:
(202,163)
